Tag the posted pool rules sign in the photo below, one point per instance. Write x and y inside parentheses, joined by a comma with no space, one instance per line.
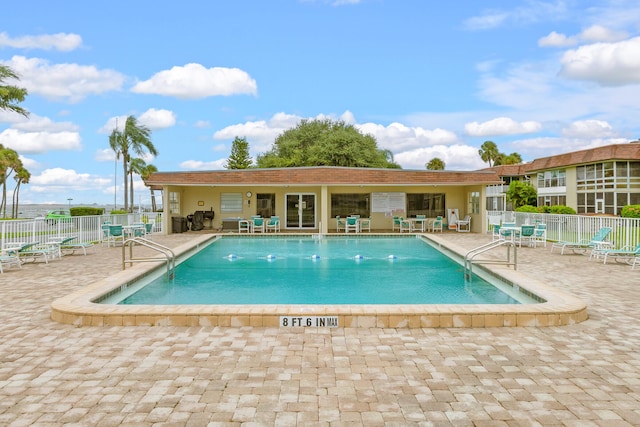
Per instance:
(309,321)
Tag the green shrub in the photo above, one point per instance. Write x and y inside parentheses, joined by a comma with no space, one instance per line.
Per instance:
(118,212)
(528,208)
(630,211)
(560,209)
(85,211)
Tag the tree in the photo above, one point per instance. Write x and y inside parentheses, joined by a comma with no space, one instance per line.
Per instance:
(136,165)
(9,162)
(522,193)
(145,174)
(435,164)
(489,152)
(22,176)
(239,158)
(11,95)
(134,139)
(508,159)
(325,143)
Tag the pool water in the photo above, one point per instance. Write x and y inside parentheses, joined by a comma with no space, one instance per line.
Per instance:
(319,271)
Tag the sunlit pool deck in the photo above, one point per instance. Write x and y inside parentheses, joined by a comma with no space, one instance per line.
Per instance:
(554,307)
(581,374)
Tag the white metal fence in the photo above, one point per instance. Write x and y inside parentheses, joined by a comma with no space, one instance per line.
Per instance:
(625,232)
(85,228)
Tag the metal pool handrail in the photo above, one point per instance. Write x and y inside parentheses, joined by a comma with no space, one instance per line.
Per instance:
(468,258)
(167,252)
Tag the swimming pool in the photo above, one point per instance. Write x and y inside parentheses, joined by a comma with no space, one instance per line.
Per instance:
(336,270)
(83,307)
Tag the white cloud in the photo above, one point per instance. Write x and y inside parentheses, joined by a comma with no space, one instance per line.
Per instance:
(203,124)
(398,137)
(104,155)
(259,134)
(531,11)
(157,119)
(557,40)
(72,82)
(37,123)
(589,129)
(595,33)
(200,165)
(608,64)
(193,81)
(56,180)
(541,147)
(60,41)
(455,157)
(501,126)
(40,142)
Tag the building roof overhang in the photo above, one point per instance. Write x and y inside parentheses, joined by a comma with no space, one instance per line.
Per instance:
(323,175)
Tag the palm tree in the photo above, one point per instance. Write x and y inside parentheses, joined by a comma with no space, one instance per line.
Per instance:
(135,166)
(11,95)
(9,162)
(489,152)
(435,164)
(145,173)
(22,176)
(134,139)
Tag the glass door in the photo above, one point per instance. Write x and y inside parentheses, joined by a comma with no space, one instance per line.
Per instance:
(300,211)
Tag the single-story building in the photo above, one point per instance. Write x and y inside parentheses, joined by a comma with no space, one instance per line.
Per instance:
(310,198)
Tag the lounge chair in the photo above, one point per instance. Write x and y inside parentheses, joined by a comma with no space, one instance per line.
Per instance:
(597,241)
(626,254)
(9,257)
(67,245)
(464,225)
(273,224)
(37,250)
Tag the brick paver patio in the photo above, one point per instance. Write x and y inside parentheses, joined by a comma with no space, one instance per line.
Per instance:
(586,374)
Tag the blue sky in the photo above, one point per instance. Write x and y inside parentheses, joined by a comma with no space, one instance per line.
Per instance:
(427,79)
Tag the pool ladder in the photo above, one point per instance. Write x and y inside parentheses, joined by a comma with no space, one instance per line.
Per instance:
(469,257)
(169,256)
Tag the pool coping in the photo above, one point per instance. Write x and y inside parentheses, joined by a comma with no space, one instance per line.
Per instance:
(559,308)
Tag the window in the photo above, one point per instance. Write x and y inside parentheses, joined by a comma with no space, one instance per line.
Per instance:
(174,203)
(350,204)
(429,204)
(555,178)
(474,202)
(265,205)
(230,202)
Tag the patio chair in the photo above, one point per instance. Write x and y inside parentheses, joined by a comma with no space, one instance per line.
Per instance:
(495,233)
(526,234)
(597,242)
(351,224)
(396,223)
(540,235)
(364,224)
(436,225)
(464,225)
(273,224)
(244,225)
(257,225)
(405,225)
(116,234)
(339,223)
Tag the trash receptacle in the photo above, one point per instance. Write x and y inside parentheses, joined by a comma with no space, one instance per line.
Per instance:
(178,224)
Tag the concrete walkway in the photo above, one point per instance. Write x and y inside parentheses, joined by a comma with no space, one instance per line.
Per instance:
(586,374)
